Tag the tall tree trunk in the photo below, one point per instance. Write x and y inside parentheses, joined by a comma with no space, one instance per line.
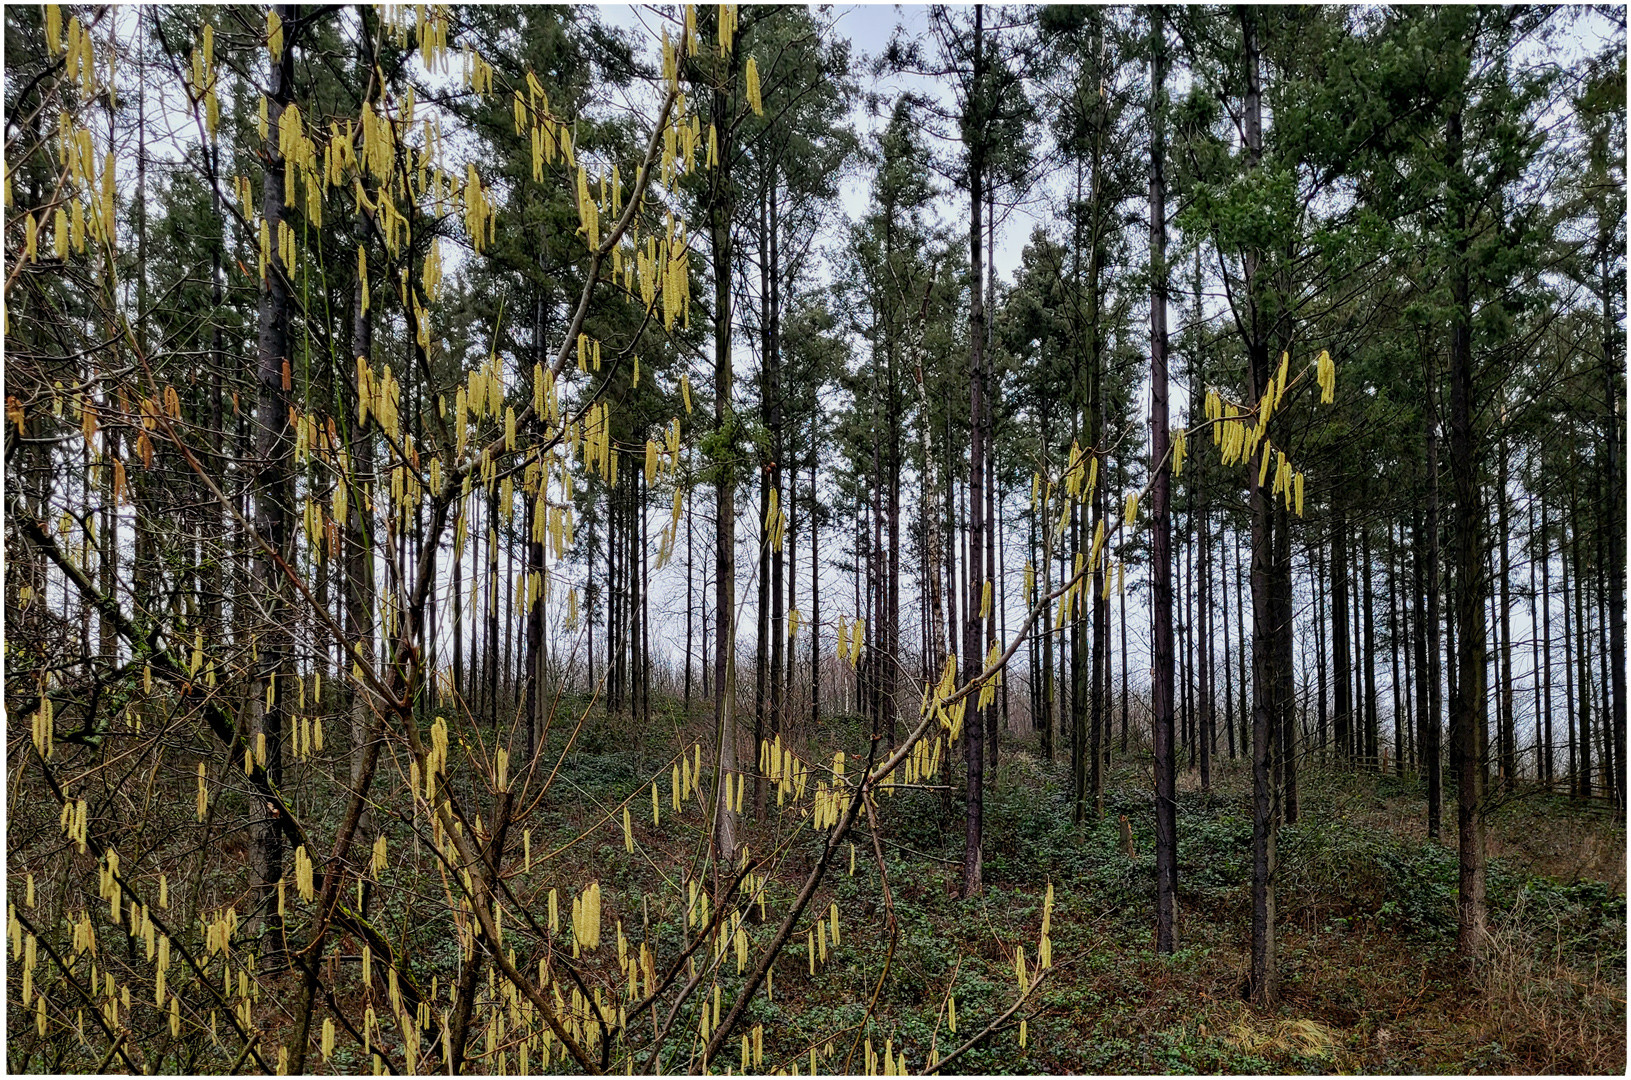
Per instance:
(815,582)
(1228,651)
(1470,702)
(274,499)
(973,654)
(1540,613)
(761,616)
(494,660)
(538,506)
(1342,667)
(1047,587)
(690,600)
(1582,651)
(988,392)
(761,611)
(1613,499)
(645,606)
(1316,574)
(1395,630)
(359,560)
(1605,747)
(1285,688)
(720,212)
(1372,725)
(1570,704)
(1203,636)
(1166,804)
(1433,711)
(1263,977)
(215,527)
(1508,757)
(1242,651)
(778,451)
(1121,620)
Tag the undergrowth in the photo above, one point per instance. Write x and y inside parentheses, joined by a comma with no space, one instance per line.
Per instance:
(1370,981)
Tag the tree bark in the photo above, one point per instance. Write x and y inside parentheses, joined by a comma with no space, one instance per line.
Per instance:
(1470,703)
(973,656)
(1432,724)
(273,488)
(720,213)
(1342,667)
(1263,980)
(1166,807)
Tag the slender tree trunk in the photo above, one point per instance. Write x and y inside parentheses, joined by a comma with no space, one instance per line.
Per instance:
(690,600)
(1605,747)
(645,610)
(1047,587)
(1372,753)
(1203,635)
(761,651)
(1126,683)
(988,395)
(359,561)
(815,584)
(274,499)
(537,521)
(214,528)
(1570,703)
(1470,702)
(761,611)
(1395,631)
(1080,659)
(1537,618)
(1613,501)
(1263,981)
(1582,651)
(1242,651)
(1033,646)
(778,452)
(720,214)
(1185,661)
(1121,604)
(1166,819)
(1316,573)
(1341,665)
(1432,714)
(1285,688)
(1508,763)
(973,654)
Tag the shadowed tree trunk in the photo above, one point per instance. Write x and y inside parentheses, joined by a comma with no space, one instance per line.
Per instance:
(1166,808)
(1263,977)
(973,654)
(273,487)
(1470,702)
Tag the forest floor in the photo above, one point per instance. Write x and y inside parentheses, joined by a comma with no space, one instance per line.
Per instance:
(1366,927)
(1365,921)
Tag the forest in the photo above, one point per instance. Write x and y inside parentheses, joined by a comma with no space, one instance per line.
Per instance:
(783,540)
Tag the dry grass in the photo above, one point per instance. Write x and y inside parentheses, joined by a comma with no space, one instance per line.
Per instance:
(1552,1017)
(1309,1038)
(1544,833)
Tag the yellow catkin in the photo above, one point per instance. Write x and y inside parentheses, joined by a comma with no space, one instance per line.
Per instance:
(274,35)
(754,101)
